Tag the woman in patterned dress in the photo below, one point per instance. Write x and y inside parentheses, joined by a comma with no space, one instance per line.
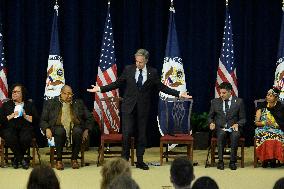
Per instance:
(269,135)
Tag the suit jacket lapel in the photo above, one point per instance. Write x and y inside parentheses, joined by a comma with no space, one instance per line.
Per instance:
(233,104)
(149,76)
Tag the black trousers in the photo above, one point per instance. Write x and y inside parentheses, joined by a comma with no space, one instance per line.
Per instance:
(18,139)
(134,124)
(221,140)
(59,134)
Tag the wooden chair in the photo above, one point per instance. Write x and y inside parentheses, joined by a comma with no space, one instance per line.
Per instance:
(178,112)
(109,106)
(6,155)
(2,152)
(214,154)
(66,154)
(255,158)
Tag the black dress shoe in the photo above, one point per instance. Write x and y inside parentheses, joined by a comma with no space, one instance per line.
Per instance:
(220,165)
(142,165)
(15,164)
(25,165)
(232,166)
(265,164)
(272,163)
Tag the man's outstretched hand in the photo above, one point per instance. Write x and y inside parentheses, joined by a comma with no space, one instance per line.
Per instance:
(94,89)
(185,95)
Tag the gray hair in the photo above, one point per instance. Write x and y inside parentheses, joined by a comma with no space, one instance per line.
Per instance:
(142,52)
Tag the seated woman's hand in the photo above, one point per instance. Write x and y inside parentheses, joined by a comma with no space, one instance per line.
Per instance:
(269,122)
(48,133)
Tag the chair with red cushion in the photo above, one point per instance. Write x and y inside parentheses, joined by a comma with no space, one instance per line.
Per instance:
(109,107)
(178,113)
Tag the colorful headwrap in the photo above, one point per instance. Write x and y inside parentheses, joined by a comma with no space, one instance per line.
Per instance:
(274,91)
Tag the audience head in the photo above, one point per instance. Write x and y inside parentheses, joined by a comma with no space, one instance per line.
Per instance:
(122,182)
(279,184)
(43,177)
(272,95)
(18,93)
(66,94)
(181,172)
(225,90)
(141,58)
(113,169)
(205,183)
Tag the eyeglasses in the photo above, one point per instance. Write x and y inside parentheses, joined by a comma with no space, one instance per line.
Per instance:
(14,92)
(68,94)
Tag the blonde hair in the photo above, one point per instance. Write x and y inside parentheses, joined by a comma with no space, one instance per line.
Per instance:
(113,169)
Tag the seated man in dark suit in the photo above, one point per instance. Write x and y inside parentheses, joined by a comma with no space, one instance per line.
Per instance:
(227,116)
(68,119)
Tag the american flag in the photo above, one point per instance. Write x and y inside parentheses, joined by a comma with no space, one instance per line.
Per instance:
(227,68)
(107,73)
(3,72)
(279,73)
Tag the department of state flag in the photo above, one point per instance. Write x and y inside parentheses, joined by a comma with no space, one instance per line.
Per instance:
(55,73)
(279,73)
(172,73)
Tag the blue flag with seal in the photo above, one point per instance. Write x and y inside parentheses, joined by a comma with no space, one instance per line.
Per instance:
(55,73)
(279,73)
(173,76)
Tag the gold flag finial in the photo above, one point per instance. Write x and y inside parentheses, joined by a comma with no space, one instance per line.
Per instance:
(227,2)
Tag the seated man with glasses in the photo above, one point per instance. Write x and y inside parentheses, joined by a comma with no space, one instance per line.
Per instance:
(67,120)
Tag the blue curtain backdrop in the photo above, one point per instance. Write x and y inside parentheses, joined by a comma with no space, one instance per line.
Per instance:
(143,24)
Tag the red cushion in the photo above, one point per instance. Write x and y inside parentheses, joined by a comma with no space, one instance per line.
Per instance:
(112,137)
(177,137)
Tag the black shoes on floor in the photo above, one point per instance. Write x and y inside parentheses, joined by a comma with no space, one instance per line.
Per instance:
(24,164)
(142,165)
(232,165)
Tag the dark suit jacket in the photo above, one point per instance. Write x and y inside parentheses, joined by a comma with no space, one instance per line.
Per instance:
(236,113)
(8,108)
(132,94)
(52,109)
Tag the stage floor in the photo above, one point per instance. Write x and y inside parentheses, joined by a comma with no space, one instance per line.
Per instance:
(157,177)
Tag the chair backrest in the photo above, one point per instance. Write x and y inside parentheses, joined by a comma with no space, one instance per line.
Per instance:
(110,119)
(178,112)
(256,102)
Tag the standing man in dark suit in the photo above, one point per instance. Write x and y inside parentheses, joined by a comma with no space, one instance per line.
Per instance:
(227,116)
(140,81)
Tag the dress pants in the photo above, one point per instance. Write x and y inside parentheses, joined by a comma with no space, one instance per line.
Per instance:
(59,134)
(18,139)
(134,124)
(221,140)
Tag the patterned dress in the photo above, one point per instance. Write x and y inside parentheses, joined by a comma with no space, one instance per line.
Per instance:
(270,138)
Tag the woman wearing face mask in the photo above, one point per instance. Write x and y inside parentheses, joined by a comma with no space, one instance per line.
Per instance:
(17,116)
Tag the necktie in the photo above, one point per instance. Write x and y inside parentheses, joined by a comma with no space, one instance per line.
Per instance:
(140,79)
(226,106)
